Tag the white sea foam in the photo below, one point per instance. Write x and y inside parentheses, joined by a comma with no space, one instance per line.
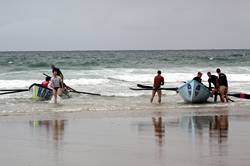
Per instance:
(125,78)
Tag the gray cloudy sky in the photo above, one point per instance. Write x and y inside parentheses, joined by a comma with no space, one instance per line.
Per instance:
(124,24)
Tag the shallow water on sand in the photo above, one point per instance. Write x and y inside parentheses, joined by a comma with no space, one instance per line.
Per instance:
(207,136)
(82,103)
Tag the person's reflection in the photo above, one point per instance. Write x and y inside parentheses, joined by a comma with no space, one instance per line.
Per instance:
(56,126)
(159,127)
(219,127)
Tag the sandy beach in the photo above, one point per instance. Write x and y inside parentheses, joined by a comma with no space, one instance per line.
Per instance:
(207,136)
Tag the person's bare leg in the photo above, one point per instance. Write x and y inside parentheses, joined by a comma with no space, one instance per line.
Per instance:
(153,94)
(222,95)
(59,91)
(226,96)
(55,96)
(159,96)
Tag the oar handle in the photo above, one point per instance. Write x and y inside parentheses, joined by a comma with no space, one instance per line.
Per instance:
(13,92)
(46,75)
(7,90)
(87,93)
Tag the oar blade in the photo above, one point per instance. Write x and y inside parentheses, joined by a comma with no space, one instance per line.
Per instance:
(146,87)
(140,89)
(240,95)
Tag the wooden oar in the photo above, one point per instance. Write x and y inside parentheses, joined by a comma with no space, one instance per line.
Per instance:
(4,93)
(6,90)
(172,89)
(87,93)
(240,95)
(46,75)
(75,91)
(145,87)
(140,88)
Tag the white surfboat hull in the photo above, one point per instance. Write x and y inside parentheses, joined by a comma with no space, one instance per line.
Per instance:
(194,92)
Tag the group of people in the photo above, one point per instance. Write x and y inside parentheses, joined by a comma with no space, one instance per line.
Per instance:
(55,82)
(220,85)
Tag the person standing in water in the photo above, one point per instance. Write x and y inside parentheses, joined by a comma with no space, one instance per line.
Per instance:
(158,81)
(223,85)
(56,84)
(59,73)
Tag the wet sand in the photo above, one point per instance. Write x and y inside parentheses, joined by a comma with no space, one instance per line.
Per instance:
(214,136)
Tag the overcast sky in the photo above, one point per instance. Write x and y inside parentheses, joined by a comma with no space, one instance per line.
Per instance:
(124,24)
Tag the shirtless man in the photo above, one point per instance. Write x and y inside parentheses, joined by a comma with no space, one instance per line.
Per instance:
(158,81)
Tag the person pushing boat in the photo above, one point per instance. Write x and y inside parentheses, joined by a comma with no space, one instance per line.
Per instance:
(198,77)
(158,81)
(213,79)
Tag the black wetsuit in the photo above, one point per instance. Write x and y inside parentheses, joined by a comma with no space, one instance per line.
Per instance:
(197,79)
(212,80)
(223,80)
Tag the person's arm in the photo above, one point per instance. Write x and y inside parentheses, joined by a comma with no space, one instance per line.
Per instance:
(62,85)
(209,82)
(217,83)
(162,82)
(50,85)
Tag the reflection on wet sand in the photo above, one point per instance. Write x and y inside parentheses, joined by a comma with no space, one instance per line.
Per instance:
(159,128)
(219,127)
(56,126)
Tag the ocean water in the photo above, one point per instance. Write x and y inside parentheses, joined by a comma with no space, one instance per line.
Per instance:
(111,73)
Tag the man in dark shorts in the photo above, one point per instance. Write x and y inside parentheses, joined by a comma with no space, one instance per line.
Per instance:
(158,81)
(198,77)
(223,85)
(213,79)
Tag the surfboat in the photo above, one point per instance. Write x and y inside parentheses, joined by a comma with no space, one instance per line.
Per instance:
(194,92)
(43,93)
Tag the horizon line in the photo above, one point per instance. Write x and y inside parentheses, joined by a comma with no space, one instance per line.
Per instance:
(78,50)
